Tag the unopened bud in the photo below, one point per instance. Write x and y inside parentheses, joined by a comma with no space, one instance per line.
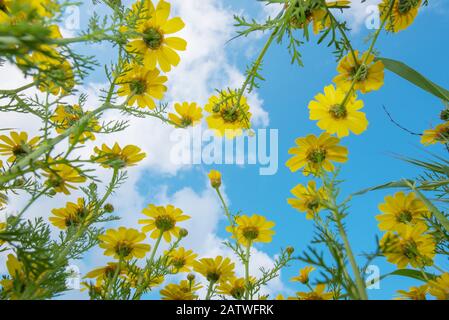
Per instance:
(215,179)
(190,277)
(183,233)
(290,250)
(109,208)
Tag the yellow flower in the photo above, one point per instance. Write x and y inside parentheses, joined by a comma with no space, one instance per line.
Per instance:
(303,276)
(17,145)
(234,287)
(61,177)
(215,270)
(317,13)
(401,209)
(104,273)
(189,114)
(414,293)
(371,75)
(2,228)
(142,85)
(116,157)
(228,117)
(184,291)
(402,14)
(124,243)
(308,199)
(439,288)
(55,72)
(72,215)
(410,245)
(215,178)
(154,45)
(17,277)
(334,117)
(181,259)
(20,10)
(317,294)
(252,229)
(66,116)
(439,134)
(316,153)
(162,221)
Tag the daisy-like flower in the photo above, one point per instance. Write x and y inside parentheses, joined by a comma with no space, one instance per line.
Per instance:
(17,145)
(438,135)
(154,43)
(16,276)
(414,293)
(252,229)
(439,288)
(103,273)
(228,117)
(162,220)
(188,114)
(410,245)
(318,293)
(401,209)
(181,259)
(371,74)
(66,116)
(72,215)
(334,116)
(185,290)
(62,177)
(234,287)
(316,12)
(215,178)
(402,15)
(316,153)
(303,276)
(142,86)
(307,199)
(124,243)
(215,270)
(116,157)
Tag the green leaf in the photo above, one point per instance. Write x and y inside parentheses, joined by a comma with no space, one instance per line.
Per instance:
(411,75)
(409,273)
(389,185)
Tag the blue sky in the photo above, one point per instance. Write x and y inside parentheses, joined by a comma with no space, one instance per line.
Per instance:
(210,64)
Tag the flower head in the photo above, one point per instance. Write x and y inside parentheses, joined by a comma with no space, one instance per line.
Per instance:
(17,145)
(234,287)
(317,294)
(62,177)
(414,293)
(188,114)
(154,44)
(228,116)
(181,259)
(438,135)
(215,270)
(303,276)
(368,76)
(162,220)
(316,153)
(104,273)
(402,14)
(308,199)
(116,157)
(124,243)
(252,229)
(439,287)
(185,290)
(17,277)
(401,209)
(72,215)
(66,116)
(142,86)
(215,178)
(410,245)
(334,116)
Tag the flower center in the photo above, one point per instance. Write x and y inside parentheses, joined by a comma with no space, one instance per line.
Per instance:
(19,150)
(213,276)
(313,204)
(165,223)
(153,38)
(250,233)
(237,292)
(443,134)
(123,249)
(178,263)
(186,121)
(338,111)
(405,216)
(317,155)
(71,221)
(409,250)
(229,115)
(363,73)
(404,6)
(138,87)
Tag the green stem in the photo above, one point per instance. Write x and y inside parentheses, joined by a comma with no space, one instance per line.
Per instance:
(247,279)
(156,246)
(114,279)
(210,290)
(17,90)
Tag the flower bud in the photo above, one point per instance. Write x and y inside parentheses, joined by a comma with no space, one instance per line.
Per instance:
(215,179)
(290,250)
(190,277)
(183,233)
(109,208)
